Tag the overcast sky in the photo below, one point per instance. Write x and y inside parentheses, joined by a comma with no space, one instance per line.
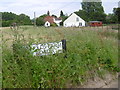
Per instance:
(41,7)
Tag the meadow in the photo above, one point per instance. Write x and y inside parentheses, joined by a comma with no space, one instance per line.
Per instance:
(91,51)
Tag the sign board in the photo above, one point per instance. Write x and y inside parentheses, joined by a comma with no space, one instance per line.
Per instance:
(48,48)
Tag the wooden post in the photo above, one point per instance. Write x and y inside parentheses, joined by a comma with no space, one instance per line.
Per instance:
(64,47)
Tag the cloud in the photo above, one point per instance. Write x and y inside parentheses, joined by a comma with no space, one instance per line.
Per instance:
(42,6)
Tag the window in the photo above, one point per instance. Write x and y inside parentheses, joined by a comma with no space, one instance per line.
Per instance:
(80,24)
(77,19)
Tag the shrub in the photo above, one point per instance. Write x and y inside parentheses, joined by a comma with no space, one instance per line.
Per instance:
(87,55)
(54,25)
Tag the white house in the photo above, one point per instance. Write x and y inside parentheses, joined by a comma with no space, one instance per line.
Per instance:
(51,20)
(74,21)
(47,24)
(57,21)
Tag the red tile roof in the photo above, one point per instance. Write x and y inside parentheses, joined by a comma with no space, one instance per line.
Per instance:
(50,19)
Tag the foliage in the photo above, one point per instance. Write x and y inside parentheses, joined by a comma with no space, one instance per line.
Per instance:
(114,17)
(54,24)
(88,55)
(40,20)
(48,13)
(24,19)
(94,11)
(83,15)
(116,12)
(63,16)
(61,13)
(111,18)
(8,18)
(63,19)
(7,23)
(54,16)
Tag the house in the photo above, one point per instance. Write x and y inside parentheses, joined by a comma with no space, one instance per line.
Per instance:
(47,24)
(51,20)
(95,23)
(58,21)
(74,21)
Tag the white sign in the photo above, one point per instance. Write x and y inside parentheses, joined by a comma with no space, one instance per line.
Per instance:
(47,48)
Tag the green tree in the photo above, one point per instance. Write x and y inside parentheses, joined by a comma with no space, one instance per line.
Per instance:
(40,20)
(111,18)
(82,14)
(94,10)
(24,19)
(54,16)
(63,19)
(48,13)
(61,13)
(8,18)
(63,16)
(116,12)
(114,17)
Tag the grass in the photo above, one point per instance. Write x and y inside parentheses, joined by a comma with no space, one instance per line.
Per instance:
(90,52)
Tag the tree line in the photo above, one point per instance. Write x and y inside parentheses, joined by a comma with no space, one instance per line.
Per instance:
(94,11)
(8,18)
(91,11)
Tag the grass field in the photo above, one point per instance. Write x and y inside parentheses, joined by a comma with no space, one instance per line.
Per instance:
(91,51)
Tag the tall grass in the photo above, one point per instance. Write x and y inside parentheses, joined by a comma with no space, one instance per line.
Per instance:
(88,53)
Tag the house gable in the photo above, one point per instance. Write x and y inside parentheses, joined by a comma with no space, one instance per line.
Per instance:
(74,20)
(47,24)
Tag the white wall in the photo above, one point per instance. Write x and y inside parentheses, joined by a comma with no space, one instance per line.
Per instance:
(57,22)
(47,24)
(73,20)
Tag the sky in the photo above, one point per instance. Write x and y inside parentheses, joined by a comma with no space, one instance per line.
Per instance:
(41,7)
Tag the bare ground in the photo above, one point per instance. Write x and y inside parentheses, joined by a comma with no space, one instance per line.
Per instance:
(109,81)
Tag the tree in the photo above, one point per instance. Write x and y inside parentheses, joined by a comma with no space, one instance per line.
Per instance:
(48,13)
(8,18)
(111,18)
(40,20)
(63,19)
(61,13)
(114,17)
(94,10)
(82,14)
(116,12)
(24,19)
(54,16)
(63,16)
